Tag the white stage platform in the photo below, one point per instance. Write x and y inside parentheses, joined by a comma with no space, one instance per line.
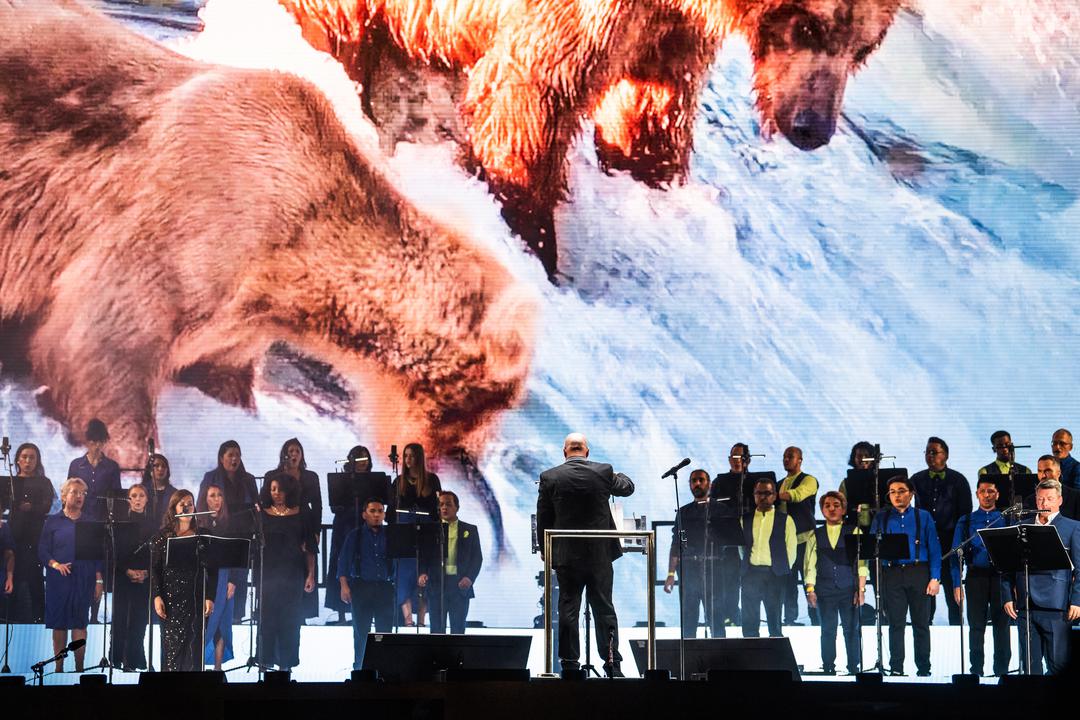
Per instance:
(326,652)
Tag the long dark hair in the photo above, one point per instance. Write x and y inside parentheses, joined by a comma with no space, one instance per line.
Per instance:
(225,447)
(358,452)
(283,454)
(203,505)
(418,472)
(170,524)
(288,484)
(39,471)
(149,479)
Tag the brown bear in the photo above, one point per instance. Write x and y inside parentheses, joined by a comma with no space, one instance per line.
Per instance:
(537,68)
(166,220)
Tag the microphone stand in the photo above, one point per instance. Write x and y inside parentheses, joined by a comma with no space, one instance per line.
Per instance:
(39,668)
(7,602)
(878,579)
(109,548)
(682,568)
(959,551)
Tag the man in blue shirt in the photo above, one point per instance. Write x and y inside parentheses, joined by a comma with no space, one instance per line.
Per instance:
(1061,446)
(982,582)
(909,583)
(365,575)
(1055,594)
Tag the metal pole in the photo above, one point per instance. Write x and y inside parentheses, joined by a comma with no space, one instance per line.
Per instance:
(549,640)
(650,552)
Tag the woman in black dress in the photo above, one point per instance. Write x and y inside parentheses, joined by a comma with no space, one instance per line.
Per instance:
(415,499)
(345,521)
(131,586)
(33,503)
(177,591)
(288,573)
(291,462)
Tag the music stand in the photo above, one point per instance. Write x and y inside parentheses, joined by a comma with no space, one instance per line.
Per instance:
(201,552)
(96,540)
(1023,548)
(416,539)
(1014,488)
(890,546)
(739,488)
(859,488)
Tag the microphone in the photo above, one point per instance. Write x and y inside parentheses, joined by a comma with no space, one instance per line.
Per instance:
(1013,509)
(671,473)
(393,455)
(756,455)
(76,644)
(5,447)
(149,447)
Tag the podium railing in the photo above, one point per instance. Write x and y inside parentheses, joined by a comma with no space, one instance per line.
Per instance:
(650,588)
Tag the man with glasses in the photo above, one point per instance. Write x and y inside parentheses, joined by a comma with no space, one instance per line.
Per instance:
(1061,446)
(909,583)
(770,553)
(946,495)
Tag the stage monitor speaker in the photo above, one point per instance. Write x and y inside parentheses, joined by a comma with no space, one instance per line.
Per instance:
(405,657)
(739,655)
(188,679)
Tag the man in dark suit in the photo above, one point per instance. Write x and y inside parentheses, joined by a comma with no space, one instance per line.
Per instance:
(946,495)
(462,560)
(1055,595)
(575,496)
(1049,468)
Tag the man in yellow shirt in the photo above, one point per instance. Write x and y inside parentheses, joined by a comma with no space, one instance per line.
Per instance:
(797,498)
(450,594)
(770,553)
(831,585)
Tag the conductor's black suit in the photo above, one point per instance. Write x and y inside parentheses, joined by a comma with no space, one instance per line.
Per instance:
(575,495)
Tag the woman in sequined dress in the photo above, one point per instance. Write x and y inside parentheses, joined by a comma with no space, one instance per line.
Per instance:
(177,591)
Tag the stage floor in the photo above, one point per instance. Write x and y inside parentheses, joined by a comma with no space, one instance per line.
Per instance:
(326,652)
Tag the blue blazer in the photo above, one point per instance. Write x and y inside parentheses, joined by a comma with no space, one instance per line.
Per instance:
(1056,589)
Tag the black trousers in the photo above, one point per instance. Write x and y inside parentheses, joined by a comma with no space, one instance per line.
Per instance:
(983,595)
(702,590)
(839,605)
(761,586)
(791,590)
(596,580)
(129,617)
(371,601)
(457,604)
(730,590)
(947,588)
(904,590)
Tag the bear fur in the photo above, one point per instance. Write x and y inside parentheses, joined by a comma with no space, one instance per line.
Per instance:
(164,220)
(535,69)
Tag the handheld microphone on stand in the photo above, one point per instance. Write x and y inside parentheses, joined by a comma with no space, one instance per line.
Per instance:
(5,447)
(671,473)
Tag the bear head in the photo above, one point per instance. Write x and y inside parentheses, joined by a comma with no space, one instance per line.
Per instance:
(803,52)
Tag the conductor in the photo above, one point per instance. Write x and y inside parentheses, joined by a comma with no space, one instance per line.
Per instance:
(575,496)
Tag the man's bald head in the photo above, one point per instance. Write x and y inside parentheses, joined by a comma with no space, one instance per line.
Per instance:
(575,445)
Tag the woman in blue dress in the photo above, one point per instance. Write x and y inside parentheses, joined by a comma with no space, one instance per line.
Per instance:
(70,585)
(241,500)
(415,498)
(219,641)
